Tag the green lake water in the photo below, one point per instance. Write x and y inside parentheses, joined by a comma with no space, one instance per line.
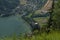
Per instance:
(13,24)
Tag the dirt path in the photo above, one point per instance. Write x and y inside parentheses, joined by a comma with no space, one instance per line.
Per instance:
(47,6)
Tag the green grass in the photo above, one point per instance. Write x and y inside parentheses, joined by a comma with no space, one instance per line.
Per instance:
(53,35)
(22,1)
(38,12)
(29,16)
(42,20)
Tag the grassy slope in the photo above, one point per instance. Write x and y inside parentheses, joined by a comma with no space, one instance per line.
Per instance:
(22,2)
(41,20)
(53,35)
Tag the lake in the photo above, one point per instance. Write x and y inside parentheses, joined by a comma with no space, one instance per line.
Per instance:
(13,24)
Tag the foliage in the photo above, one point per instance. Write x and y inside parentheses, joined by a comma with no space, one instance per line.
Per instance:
(53,35)
(56,15)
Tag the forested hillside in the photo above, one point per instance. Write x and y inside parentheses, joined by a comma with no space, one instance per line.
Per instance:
(7,6)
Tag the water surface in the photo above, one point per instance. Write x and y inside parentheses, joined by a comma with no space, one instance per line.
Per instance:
(13,24)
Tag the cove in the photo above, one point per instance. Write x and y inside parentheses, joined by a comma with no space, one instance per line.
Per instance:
(13,24)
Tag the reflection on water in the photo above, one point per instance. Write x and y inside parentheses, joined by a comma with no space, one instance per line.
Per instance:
(13,24)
